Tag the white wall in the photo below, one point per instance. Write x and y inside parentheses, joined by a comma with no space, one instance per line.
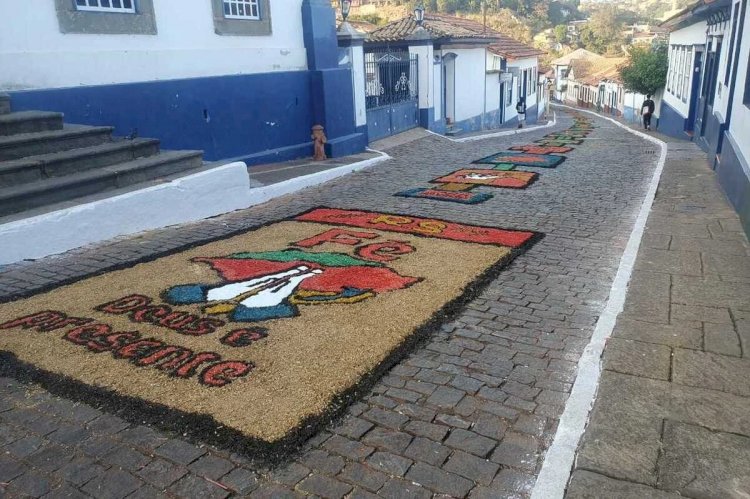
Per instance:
(34,54)
(425,56)
(492,92)
(470,77)
(437,101)
(523,64)
(358,76)
(695,34)
(721,100)
(740,124)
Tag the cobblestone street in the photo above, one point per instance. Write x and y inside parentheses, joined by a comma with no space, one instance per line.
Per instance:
(469,413)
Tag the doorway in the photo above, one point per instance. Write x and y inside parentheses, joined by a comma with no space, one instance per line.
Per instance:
(449,88)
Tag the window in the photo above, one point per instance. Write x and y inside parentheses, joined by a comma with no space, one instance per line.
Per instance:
(686,72)
(678,67)
(509,96)
(241,9)
(242,17)
(106,17)
(126,6)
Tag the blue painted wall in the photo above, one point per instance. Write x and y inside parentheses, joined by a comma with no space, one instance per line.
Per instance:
(732,172)
(225,116)
(628,113)
(712,135)
(671,122)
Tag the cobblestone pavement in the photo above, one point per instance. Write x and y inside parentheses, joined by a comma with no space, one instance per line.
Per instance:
(672,417)
(469,413)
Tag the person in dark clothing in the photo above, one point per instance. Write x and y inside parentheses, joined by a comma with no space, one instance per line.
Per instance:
(647,110)
(521,110)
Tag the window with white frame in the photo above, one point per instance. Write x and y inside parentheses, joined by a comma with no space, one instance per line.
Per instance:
(123,6)
(241,9)
(680,70)
(686,72)
(678,66)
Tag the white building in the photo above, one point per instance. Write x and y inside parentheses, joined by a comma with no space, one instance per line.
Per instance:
(561,67)
(237,76)
(468,77)
(707,96)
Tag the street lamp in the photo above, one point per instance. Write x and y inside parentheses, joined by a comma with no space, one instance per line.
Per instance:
(345,7)
(419,14)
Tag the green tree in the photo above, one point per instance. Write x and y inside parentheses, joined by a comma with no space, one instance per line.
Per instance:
(561,33)
(447,6)
(603,33)
(646,71)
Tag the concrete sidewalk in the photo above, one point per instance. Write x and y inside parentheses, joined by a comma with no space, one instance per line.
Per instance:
(672,415)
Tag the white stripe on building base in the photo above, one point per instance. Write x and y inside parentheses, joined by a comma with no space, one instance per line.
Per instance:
(186,199)
(504,133)
(558,462)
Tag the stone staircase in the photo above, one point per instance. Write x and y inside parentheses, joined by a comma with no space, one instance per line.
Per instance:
(44,161)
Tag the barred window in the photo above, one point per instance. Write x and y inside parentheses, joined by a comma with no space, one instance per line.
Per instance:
(241,9)
(125,6)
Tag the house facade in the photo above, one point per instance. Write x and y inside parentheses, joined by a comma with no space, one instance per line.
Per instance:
(239,79)
(447,74)
(561,67)
(707,98)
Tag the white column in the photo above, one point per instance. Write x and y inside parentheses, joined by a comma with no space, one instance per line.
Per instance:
(425,58)
(358,73)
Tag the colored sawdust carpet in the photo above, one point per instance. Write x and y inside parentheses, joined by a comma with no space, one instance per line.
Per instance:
(536,149)
(490,177)
(523,159)
(559,143)
(445,195)
(561,137)
(256,339)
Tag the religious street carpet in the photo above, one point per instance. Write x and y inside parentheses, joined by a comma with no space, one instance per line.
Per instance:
(256,339)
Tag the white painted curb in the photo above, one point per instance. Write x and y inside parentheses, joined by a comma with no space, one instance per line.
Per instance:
(260,195)
(187,199)
(504,133)
(558,462)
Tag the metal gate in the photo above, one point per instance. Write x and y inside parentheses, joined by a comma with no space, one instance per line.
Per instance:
(391,93)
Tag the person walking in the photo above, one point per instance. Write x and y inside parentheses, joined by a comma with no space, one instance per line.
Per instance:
(647,110)
(521,110)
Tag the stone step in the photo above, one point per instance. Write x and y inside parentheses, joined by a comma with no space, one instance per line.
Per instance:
(4,104)
(58,164)
(29,122)
(23,145)
(24,197)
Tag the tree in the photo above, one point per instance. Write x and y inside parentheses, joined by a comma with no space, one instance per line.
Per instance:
(603,33)
(561,33)
(646,71)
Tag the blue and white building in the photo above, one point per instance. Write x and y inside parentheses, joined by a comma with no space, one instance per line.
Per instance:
(707,96)
(239,79)
(447,74)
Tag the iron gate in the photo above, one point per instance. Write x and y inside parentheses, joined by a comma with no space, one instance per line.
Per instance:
(391,93)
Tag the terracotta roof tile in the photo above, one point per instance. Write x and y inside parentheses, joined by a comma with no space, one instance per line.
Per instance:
(592,72)
(438,25)
(513,49)
(576,54)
